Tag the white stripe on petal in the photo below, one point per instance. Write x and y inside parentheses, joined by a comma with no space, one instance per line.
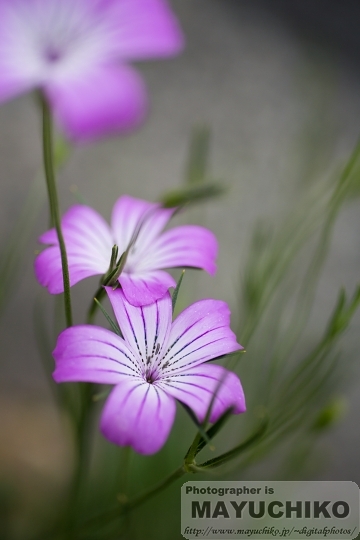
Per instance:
(93,354)
(138,414)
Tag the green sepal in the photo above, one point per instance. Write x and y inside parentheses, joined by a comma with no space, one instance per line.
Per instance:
(115,268)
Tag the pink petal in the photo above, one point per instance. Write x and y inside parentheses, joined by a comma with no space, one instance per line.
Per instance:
(138,414)
(130,216)
(20,69)
(83,227)
(88,243)
(100,101)
(48,270)
(145,288)
(200,333)
(144,29)
(93,354)
(12,83)
(144,327)
(196,387)
(188,245)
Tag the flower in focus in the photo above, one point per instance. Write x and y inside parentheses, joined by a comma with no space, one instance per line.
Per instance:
(76,52)
(156,362)
(89,241)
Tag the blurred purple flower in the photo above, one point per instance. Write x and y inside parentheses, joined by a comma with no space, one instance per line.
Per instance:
(156,362)
(89,241)
(76,52)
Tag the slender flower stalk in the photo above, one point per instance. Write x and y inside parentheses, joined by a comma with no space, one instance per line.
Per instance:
(48,157)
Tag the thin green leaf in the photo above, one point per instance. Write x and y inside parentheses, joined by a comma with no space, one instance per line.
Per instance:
(113,325)
(346,314)
(199,426)
(349,178)
(192,194)
(176,291)
(334,323)
(14,249)
(214,429)
(198,155)
(44,345)
(231,358)
(235,452)
(191,453)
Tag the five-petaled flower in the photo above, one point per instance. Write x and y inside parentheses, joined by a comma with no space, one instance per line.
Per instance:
(76,52)
(155,362)
(89,241)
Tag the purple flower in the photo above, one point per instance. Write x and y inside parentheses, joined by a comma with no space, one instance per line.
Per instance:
(76,52)
(89,241)
(156,362)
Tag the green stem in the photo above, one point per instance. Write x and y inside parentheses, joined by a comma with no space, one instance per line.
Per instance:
(48,157)
(190,456)
(82,457)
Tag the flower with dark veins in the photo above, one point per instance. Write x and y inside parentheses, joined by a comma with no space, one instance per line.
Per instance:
(156,362)
(77,53)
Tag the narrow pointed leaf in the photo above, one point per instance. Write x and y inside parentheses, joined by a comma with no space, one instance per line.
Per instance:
(113,325)
(214,429)
(13,250)
(199,426)
(193,194)
(176,291)
(198,155)
(235,452)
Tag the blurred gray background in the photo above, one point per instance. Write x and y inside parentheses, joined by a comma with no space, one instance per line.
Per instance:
(265,75)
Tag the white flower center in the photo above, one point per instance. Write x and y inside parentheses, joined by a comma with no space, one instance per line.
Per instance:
(54,37)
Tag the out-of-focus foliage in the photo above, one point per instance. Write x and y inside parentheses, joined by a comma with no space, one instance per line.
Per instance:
(13,250)
(293,384)
(290,385)
(199,185)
